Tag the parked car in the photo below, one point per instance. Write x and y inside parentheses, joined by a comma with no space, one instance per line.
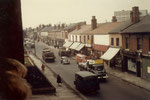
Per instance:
(86,82)
(64,60)
(48,55)
(63,52)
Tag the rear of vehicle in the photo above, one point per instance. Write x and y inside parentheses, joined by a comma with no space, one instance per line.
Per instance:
(65,60)
(81,58)
(86,82)
(47,55)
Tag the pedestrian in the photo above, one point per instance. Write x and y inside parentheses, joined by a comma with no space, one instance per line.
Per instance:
(59,80)
(43,67)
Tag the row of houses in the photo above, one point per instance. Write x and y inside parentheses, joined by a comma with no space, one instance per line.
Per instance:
(123,45)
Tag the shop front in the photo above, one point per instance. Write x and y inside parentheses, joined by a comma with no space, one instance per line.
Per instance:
(146,68)
(112,58)
(131,63)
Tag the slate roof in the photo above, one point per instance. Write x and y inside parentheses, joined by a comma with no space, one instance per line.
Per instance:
(83,29)
(103,28)
(70,26)
(141,27)
(46,29)
(121,27)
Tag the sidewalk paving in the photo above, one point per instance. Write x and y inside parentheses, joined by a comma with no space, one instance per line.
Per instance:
(130,78)
(62,92)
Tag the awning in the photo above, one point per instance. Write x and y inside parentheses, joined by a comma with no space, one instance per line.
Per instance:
(67,44)
(80,47)
(110,53)
(74,45)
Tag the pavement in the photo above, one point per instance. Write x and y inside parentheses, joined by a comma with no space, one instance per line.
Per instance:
(63,92)
(125,76)
(130,78)
(66,93)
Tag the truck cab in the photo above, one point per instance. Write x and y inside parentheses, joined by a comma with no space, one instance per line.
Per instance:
(97,67)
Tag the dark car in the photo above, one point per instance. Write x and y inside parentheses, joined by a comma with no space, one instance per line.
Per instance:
(63,52)
(48,55)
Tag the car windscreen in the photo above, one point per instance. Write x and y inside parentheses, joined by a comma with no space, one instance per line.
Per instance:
(98,67)
(49,54)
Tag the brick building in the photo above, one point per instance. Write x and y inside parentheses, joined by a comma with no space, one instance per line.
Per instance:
(134,43)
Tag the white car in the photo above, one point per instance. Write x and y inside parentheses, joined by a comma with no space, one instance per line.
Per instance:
(64,60)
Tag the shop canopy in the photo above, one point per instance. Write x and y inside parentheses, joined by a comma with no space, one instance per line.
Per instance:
(74,45)
(80,47)
(67,44)
(110,53)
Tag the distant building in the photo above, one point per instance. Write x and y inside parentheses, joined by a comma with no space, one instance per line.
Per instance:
(125,14)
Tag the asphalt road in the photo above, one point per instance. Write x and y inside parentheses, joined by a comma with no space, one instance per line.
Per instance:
(113,89)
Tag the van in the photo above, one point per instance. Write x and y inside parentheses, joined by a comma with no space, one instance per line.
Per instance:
(81,58)
(86,82)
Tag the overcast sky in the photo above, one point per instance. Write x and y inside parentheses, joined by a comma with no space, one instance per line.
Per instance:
(35,12)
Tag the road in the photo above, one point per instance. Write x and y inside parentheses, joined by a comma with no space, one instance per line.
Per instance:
(113,89)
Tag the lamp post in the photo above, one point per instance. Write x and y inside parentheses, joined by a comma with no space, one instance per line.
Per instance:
(35,36)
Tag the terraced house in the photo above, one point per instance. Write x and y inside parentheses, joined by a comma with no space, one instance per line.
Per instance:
(134,36)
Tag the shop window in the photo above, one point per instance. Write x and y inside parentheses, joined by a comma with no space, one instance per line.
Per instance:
(127,42)
(139,44)
(112,41)
(117,41)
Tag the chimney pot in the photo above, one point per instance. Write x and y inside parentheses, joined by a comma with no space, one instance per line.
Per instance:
(114,19)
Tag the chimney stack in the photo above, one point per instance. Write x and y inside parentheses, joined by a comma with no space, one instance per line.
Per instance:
(93,23)
(114,19)
(59,26)
(63,26)
(78,26)
(55,26)
(135,15)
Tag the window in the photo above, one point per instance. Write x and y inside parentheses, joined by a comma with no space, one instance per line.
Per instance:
(84,39)
(127,42)
(80,38)
(72,38)
(88,37)
(117,41)
(92,38)
(149,44)
(139,43)
(112,41)
(76,38)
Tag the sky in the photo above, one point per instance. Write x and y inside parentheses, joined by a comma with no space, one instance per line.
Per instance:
(36,12)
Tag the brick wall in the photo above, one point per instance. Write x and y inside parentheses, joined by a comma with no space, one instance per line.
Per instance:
(145,44)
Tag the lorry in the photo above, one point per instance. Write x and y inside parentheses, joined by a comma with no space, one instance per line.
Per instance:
(86,82)
(94,66)
(48,55)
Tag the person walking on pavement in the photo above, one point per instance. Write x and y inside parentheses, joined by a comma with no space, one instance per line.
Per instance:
(43,67)
(59,80)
